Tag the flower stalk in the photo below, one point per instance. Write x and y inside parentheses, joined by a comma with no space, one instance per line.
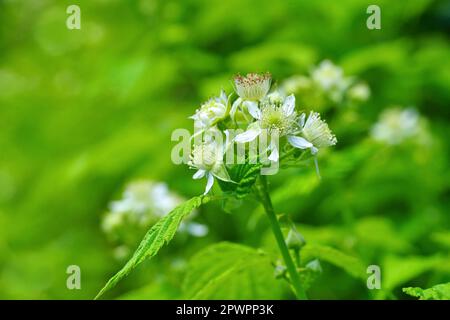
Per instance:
(264,197)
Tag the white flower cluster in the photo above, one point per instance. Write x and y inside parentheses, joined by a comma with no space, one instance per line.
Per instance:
(329,80)
(397,125)
(256,112)
(143,203)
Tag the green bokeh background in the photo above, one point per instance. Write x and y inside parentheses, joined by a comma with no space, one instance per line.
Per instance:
(82,112)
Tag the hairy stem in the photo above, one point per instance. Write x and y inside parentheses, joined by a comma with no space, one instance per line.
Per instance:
(276,229)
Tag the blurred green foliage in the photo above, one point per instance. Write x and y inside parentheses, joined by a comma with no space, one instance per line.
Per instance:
(82,112)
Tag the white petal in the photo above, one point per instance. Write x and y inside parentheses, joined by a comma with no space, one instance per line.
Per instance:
(289,105)
(299,142)
(253,109)
(199,174)
(247,136)
(234,107)
(209,183)
(301,120)
(274,156)
(227,141)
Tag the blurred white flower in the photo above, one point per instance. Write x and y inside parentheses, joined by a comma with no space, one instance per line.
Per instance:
(121,252)
(327,75)
(359,92)
(207,158)
(141,196)
(194,229)
(331,79)
(395,125)
(113,220)
(142,204)
(211,111)
(295,84)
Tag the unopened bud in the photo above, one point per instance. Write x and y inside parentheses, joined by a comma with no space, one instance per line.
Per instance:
(295,240)
(314,265)
(280,271)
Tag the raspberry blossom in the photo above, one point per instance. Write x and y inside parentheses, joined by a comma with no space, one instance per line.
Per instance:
(211,111)
(250,89)
(207,158)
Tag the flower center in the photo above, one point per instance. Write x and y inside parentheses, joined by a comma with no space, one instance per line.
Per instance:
(273,119)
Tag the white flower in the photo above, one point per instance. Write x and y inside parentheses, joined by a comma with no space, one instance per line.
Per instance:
(113,220)
(276,119)
(359,92)
(207,158)
(194,229)
(136,198)
(142,202)
(142,196)
(296,83)
(250,89)
(211,111)
(315,134)
(331,79)
(327,75)
(396,125)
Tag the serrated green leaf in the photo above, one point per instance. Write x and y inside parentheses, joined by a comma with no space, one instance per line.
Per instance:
(226,270)
(348,263)
(437,292)
(243,176)
(160,234)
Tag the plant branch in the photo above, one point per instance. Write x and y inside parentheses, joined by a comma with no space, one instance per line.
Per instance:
(292,270)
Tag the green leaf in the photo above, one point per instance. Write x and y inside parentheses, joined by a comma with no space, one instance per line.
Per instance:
(441,238)
(243,176)
(295,188)
(348,263)
(401,269)
(437,292)
(379,232)
(226,270)
(160,234)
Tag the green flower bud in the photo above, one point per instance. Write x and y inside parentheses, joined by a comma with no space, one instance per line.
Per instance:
(314,265)
(295,240)
(280,271)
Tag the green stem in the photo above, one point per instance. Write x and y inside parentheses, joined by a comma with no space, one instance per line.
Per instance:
(293,274)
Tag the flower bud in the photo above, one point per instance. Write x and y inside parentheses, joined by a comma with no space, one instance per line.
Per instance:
(314,265)
(295,240)
(280,271)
